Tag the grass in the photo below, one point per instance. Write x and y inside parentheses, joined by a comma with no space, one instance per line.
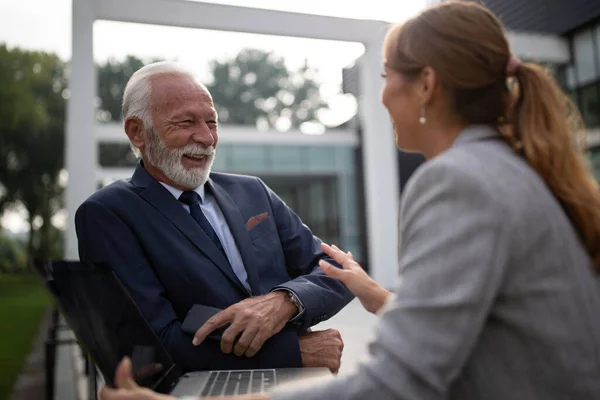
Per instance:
(23,301)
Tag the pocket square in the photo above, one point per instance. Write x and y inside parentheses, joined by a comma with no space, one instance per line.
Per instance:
(257,219)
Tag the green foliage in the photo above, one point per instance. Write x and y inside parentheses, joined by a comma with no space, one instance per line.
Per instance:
(23,301)
(255,87)
(32,118)
(112,78)
(12,255)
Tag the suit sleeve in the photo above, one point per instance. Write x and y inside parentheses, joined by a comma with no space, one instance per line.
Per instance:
(322,297)
(104,236)
(454,249)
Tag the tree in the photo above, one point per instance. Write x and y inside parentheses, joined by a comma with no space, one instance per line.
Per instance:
(256,88)
(32,123)
(12,256)
(112,79)
(32,140)
(253,88)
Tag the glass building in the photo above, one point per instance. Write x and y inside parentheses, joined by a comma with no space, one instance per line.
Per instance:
(319,182)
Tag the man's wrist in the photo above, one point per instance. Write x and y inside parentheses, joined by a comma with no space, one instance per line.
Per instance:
(289,309)
(294,299)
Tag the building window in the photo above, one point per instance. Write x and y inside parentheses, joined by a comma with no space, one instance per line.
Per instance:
(585,60)
(573,96)
(570,81)
(590,104)
(595,159)
(597,43)
(315,200)
(114,155)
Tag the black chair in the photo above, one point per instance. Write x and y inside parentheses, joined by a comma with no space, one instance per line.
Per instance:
(108,324)
(52,342)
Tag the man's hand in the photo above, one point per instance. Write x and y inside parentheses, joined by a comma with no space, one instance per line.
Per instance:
(322,349)
(256,319)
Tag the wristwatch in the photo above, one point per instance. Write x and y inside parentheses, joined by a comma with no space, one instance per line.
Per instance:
(296,302)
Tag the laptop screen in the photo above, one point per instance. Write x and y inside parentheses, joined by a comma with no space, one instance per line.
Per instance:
(108,323)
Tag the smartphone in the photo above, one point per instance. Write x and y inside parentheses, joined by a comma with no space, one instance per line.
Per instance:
(197,316)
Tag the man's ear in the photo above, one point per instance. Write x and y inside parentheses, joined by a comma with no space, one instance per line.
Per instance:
(135,130)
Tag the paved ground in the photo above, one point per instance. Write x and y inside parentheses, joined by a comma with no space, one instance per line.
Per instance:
(31,383)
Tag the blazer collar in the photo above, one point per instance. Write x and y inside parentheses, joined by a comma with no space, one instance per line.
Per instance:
(141,178)
(473,133)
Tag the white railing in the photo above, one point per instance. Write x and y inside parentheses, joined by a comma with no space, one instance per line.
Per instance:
(113,133)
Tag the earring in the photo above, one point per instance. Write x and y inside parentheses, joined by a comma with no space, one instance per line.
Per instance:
(422,119)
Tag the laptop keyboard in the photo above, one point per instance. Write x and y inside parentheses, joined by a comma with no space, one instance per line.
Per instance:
(226,383)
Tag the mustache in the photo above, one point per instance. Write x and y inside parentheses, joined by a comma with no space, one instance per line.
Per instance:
(196,149)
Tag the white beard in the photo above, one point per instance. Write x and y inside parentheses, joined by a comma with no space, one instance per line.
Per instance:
(169,161)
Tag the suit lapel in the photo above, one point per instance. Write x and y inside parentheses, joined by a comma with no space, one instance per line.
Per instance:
(237,226)
(167,205)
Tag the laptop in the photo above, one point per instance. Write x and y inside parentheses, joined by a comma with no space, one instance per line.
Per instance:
(109,325)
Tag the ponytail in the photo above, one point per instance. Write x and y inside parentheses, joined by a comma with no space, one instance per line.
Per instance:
(547,130)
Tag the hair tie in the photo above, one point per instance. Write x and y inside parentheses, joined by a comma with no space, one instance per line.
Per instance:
(512,65)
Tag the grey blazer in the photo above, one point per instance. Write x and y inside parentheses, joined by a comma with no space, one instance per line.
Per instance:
(497,298)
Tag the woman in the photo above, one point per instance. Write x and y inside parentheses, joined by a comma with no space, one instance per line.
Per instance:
(498,296)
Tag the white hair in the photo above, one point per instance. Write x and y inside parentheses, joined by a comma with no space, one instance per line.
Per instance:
(136,97)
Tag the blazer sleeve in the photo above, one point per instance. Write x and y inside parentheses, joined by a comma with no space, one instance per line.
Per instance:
(104,236)
(322,297)
(454,249)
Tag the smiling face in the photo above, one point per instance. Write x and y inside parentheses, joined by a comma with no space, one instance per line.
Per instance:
(180,147)
(400,97)
(419,106)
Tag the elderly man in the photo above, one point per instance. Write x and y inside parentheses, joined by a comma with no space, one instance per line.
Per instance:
(178,235)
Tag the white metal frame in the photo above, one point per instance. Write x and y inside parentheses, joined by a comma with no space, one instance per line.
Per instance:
(112,132)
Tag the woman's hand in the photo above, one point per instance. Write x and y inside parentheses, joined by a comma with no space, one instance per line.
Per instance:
(371,295)
(127,389)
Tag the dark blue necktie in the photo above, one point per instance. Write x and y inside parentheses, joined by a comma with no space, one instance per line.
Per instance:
(193,200)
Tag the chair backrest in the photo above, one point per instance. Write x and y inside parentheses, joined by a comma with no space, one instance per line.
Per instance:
(107,321)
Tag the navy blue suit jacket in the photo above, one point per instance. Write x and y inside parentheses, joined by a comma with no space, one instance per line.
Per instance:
(169,264)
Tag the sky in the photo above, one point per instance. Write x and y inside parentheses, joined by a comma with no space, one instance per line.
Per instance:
(46,25)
